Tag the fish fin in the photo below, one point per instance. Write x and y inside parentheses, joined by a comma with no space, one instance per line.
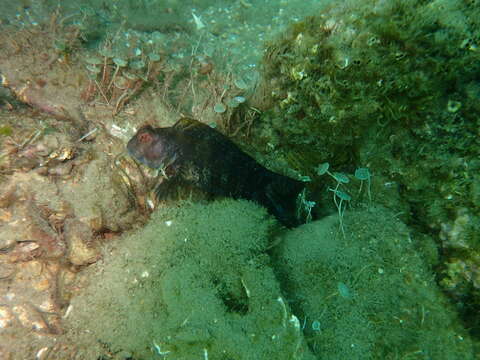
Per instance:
(185,124)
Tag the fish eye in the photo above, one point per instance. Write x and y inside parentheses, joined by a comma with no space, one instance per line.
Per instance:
(144,138)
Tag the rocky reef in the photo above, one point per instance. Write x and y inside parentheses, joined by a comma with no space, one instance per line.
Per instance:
(393,86)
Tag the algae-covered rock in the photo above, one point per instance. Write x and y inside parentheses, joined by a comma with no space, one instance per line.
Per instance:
(362,67)
(368,294)
(97,200)
(81,249)
(194,283)
(392,85)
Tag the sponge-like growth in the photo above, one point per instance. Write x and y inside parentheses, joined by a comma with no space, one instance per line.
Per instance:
(359,66)
(368,295)
(195,283)
(395,85)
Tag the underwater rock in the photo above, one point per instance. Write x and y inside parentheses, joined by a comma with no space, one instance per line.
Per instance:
(195,282)
(368,294)
(359,84)
(81,248)
(7,241)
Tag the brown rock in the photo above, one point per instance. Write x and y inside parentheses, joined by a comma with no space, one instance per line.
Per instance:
(30,318)
(34,226)
(66,286)
(25,251)
(6,318)
(81,248)
(8,195)
(4,353)
(7,270)
(62,169)
(7,239)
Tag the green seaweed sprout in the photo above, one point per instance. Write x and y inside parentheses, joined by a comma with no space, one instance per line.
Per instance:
(363,174)
(340,197)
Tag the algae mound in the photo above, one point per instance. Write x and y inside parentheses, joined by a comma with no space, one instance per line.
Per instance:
(392,85)
(368,295)
(195,280)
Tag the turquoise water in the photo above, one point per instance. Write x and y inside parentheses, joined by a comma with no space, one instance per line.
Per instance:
(232,32)
(388,268)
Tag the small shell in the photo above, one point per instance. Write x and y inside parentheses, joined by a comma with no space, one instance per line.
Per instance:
(219,108)
(65,153)
(42,354)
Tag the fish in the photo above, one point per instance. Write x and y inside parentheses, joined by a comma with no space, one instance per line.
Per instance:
(191,153)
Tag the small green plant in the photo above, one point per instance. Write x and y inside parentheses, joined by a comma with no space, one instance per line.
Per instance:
(304,205)
(340,197)
(363,174)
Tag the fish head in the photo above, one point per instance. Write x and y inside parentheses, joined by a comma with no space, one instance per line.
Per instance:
(149,147)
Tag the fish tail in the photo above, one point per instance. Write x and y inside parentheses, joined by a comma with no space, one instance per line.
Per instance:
(282,200)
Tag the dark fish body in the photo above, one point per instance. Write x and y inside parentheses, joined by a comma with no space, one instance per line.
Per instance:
(192,153)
